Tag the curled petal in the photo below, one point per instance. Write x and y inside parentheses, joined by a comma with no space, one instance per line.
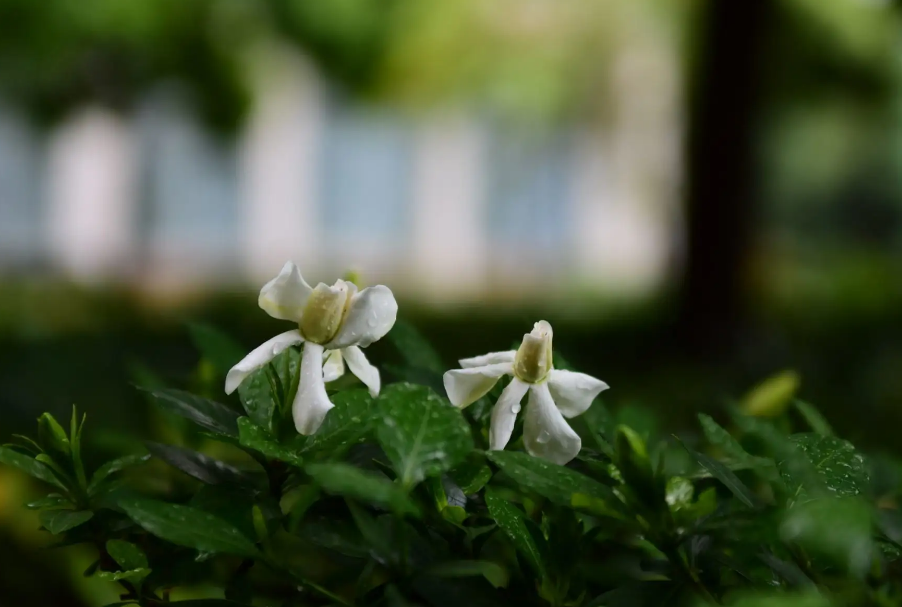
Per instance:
(573,393)
(504,415)
(334,367)
(311,403)
(259,356)
(493,358)
(371,314)
(466,386)
(545,432)
(284,296)
(361,367)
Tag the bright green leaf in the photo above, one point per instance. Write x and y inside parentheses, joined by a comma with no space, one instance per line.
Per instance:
(771,397)
(839,470)
(421,432)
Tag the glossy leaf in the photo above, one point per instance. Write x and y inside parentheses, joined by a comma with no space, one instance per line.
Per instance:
(60,521)
(200,466)
(256,391)
(420,432)
(30,466)
(254,437)
(206,413)
(346,424)
(187,526)
(549,480)
(725,476)
(112,467)
(127,555)
(839,470)
(512,521)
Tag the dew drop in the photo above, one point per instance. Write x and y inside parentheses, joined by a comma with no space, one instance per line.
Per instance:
(515,408)
(543,437)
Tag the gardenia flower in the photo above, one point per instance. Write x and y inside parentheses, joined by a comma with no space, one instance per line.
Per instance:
(553,395)
(335,318)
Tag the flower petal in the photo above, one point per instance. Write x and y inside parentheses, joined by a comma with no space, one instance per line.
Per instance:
(284,296)
(334,367)
(492,358)
(573,393)
(259,356)
(371,315)
(466,386)
(545,433)
(361,367)
(311,403)
(504,415)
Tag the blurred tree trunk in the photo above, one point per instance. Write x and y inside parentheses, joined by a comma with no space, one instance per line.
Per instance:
(723,111)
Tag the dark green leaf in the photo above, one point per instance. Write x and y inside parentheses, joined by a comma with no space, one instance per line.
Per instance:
(344,479)
(555,482)
(471,475)
(187,526)
(512,521)
(783,599)
(59,521)
(206,413)
(254,437)
(51,435)
(726,476)
(112,467)
(200,466)
(132,575)
(53,500)
(30,466)
(740,458)
(127,555)
(839,470)
(346,424)
(813,418)
(421,432)
(493,572)
(222,351)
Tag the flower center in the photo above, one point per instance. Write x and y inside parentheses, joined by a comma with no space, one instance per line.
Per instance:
(324,312)
(534,357)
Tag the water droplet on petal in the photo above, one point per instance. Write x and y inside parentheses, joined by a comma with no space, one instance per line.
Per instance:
(515,408)
(543,437)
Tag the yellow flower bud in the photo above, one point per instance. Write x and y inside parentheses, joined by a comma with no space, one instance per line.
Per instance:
(534,358)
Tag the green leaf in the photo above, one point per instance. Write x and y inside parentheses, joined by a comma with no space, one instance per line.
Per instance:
(219,349)
(254,437)
(783,599)
(493,572)
(725,476)
(75,430)
(771,397)
(256,391)
(132,575)
(549,480)
(206,413)
(741,459)
(54,500)
(421,433)
(30,466)
(346,424)
(112,467)
(200,466)
(187,526)
(51,435)
(471,476)
(59,521)
(837,529)
(839,470)
(344,479)
(813,418)
(127,555)
(512,521)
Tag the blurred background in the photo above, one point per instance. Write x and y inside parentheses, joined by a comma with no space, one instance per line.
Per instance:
(695,193)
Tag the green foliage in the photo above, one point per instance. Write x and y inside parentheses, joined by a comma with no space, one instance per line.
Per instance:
(392,503)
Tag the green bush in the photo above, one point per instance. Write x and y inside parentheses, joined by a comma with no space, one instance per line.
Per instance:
(396,500)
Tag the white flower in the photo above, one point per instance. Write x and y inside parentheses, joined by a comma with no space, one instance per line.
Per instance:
(335,318)
(553,395)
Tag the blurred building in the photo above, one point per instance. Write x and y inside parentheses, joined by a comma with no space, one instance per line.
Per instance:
(447,206)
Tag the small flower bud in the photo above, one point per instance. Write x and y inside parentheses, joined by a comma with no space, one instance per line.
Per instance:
(324,312)
(534,357)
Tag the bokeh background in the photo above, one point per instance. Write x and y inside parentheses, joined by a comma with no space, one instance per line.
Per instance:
(695,193)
